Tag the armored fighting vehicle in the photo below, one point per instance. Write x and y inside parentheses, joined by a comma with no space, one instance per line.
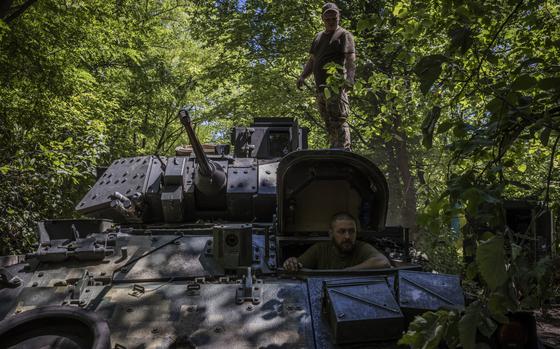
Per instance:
(187,252)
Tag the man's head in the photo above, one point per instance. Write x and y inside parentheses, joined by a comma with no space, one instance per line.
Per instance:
(343,232)
(331,16)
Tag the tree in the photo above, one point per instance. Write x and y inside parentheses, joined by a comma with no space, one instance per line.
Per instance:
(84,83)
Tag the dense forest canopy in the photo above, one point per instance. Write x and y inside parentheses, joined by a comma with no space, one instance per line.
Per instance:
(457,101)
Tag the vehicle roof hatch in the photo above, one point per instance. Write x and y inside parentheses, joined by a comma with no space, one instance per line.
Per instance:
(315,185)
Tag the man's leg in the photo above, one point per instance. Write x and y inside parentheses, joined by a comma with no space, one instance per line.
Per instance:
(338,113)
(344,129)
(334,112)
(322,105)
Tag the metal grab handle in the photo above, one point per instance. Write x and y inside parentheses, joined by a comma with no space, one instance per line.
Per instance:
(364,300)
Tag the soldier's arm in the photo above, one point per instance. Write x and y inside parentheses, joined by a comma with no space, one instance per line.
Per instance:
(350,65)
(310,258)
(372,263)
(307,70)
(371,259)
(349,59)
(307,260)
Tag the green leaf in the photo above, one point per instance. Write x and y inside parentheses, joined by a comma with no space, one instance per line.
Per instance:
(487,326)
(487,236)
(412,338)
(358,88)
(474,197)
(365,24)
(399,10)
(428,70)
(519,185)
(550,83)
(428,330)
(545,136)
(489,198)
(513,97)
(433,340)
(492,58)
(4,169)
(515,251)
(524,82)
(327,93)
(468,325)
(529,62)
(472,271)
(495,106)
(461,37)
(498,307)
(445,126)
(490,259)
(463,11)
(428,126)
(459,130)
(522,168)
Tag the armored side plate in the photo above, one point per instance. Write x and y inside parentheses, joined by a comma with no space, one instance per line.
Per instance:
(420,292)
(362,310)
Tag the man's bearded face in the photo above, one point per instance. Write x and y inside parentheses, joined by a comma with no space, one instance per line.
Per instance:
(343,235)
(331,19)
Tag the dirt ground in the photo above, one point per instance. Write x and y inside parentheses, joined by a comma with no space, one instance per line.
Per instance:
(548,326)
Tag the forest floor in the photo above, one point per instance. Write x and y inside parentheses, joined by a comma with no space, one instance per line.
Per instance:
(548,326)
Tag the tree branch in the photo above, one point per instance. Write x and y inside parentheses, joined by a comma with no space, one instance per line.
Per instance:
(550,167)
(21,9)
(494,38)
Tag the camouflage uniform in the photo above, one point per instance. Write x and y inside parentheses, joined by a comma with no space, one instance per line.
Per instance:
(332,47)
(334,112)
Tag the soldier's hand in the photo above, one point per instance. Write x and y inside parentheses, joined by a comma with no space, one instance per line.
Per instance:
(300,82)
(292,264)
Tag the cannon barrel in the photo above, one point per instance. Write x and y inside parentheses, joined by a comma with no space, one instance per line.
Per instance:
(210,177)
(204,166)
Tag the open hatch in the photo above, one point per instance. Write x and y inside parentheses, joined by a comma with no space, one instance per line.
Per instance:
(315,185)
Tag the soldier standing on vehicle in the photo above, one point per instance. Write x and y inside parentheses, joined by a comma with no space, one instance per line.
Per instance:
(333,45)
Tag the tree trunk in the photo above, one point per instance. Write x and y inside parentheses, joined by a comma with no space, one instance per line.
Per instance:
(394,216)
(400,179)
(408,212)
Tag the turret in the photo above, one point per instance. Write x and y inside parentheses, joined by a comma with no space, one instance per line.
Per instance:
(195,185)
(210,178)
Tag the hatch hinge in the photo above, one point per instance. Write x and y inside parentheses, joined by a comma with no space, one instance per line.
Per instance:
(249,289)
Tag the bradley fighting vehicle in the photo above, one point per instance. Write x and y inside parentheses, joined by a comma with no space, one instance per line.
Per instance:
(186,252)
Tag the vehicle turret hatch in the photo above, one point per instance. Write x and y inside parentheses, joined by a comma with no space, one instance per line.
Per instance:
(315,185)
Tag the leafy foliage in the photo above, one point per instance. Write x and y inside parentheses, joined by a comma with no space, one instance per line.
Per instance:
(428,330)
(457,101)
(83,83)
(490,261)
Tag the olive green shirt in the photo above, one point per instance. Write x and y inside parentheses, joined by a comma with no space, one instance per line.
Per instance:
(325,255)
(330,47)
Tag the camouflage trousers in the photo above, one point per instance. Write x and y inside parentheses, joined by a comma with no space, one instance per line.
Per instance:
(334,112)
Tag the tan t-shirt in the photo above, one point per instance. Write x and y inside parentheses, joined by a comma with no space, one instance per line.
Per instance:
(325,255)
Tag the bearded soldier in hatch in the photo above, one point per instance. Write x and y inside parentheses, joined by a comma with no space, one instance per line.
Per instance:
(336,45)
(343,251)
